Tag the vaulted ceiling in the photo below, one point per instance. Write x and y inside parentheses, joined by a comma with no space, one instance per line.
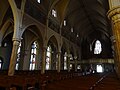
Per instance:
(88,18)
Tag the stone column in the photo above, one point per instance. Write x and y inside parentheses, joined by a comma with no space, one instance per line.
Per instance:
(13,57)
(114,48)
(43,66)
(75,58)
(114,15)
(58,62)
(43,60)
(68,63)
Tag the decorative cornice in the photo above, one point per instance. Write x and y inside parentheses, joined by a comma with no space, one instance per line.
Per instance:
(114,14)
(113,11)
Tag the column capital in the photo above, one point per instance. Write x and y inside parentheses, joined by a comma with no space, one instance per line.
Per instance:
(114,14)
(112,38)
(44,48)
(16,39)
(16,42)
(59,52)
(75,57)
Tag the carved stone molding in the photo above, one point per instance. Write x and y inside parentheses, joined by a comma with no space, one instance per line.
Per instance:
(114,14)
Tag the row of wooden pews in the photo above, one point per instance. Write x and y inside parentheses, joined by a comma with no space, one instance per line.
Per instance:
(51,80)
(83,82)
(30,80)
(109,82)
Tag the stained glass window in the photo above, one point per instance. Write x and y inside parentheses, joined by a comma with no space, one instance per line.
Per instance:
(18,57)
(1,63)
(54,13)
(38,1)
(65,61)
(34,48)
(98,47)
(48,57)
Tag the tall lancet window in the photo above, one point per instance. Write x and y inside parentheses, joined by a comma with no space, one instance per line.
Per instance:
(98,47)
(18,57)
(65,61)
(1,63)
(48,57)
(33,56)
(39,1)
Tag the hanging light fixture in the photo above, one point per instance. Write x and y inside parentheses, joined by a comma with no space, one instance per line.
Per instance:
(77,35)
(64,22)
(72,29)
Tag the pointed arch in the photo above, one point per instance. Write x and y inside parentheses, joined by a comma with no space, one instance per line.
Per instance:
(6,46)
(30,36)
(52,49)
(53,39)
(17,18)
(37,31)
(4,30)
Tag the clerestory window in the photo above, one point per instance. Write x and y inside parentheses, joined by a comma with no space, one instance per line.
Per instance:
(54,13)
